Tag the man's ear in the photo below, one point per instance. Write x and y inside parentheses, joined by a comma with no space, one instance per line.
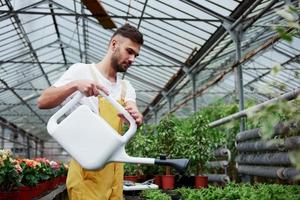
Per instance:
(114,44)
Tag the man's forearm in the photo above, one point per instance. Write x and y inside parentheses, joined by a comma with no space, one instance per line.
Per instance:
(54,96)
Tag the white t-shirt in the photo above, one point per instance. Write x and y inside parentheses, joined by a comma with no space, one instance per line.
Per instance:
(80,71)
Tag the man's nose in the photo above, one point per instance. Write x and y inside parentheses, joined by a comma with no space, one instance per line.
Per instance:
(131,58)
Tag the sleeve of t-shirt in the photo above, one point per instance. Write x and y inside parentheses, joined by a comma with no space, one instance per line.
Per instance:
(130,92)
(71,74)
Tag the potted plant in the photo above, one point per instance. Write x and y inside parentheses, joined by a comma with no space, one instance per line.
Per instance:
(167,131)
(45,173)
(29,180)
(151,150)
(202,140)
(10,176)
(62,172)
(136,148)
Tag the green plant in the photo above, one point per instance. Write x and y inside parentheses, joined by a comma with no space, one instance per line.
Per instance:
(63,169)
(45,171)
(154,195)
(55,167)
(137,148)
(242,192)
(229,130)
(288,30)
(167,141)
(30,175)
(203,141)
(10,176)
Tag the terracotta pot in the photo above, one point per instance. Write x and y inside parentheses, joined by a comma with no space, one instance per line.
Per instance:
(168,182)
(157,180)
(12,195)
(131,178)
(201,181)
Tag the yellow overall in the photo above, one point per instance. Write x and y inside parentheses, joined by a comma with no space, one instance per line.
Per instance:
(103,184)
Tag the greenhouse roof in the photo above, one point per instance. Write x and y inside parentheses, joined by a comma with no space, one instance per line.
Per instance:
(187,43)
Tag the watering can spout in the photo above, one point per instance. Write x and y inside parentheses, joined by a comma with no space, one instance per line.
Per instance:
(179,164)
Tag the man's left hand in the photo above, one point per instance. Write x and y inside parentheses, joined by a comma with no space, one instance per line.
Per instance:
(132,109)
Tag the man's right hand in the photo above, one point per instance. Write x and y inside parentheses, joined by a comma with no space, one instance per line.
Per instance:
(54,96)
(90,88)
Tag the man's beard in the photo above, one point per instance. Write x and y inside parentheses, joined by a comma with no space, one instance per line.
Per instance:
(115,62)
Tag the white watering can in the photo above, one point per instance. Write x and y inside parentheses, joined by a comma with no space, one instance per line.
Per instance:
(92,142)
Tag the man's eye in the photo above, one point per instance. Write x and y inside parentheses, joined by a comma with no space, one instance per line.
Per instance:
(129,51)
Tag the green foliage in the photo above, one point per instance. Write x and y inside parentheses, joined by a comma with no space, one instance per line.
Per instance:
(283,34)
(200,141)
(167,132)
(130,169)
(155,195)
(9,176)
(63,170)
(143,144)
(168,137)
(242,192)
(45,172)
(30,175)
(228,131)
(271,115)
(291,16)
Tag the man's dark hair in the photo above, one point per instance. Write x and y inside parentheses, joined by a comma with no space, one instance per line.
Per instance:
(130,32)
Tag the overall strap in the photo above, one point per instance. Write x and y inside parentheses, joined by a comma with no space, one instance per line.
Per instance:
(123,84)
(123,90)
(93,74)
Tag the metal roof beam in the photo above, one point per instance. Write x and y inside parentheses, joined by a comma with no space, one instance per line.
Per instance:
(142,14)
(27,40)
(266,73)
(77,28)
(15,12)
(221,75)
(219,34)
(208,11)
(85,35)
(24,54)
(148,47)
(57,33)
(9,14)
(30,62)
(142,80)
(22,100)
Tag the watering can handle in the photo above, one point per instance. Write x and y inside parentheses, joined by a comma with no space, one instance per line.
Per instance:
(52,123)
(132,128)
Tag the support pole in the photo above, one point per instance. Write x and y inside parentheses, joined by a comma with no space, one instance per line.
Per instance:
(155,114)
(28,147)
(236,35)
(169,99)
(193,79)
(2,136)
(36,148)
(170,102)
